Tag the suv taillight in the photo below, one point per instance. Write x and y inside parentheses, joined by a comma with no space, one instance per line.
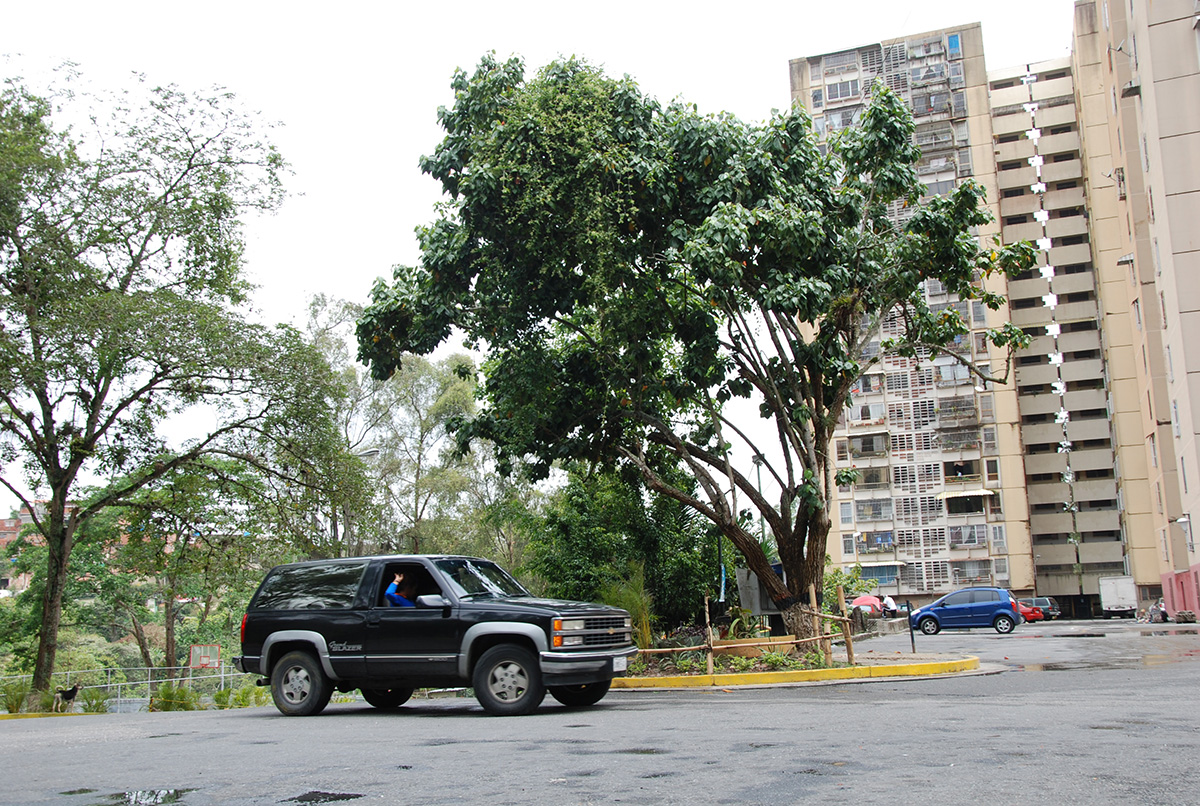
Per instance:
(244,617)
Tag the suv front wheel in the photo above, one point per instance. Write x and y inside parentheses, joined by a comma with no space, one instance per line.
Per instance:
(929,625)
(508,682)
(580,695)
(386,698)
(299,686)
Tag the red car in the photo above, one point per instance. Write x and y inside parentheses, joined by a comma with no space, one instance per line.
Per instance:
(1029,612)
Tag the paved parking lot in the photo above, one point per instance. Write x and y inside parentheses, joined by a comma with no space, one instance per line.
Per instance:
(1076,713)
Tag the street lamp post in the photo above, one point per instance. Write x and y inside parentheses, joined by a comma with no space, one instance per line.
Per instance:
(758,463)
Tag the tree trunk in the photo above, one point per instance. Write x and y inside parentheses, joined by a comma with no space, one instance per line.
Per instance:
(52,600)
(170,658)
(798,621)
(139,635)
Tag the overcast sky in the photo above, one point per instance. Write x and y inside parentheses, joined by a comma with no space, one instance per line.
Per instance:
(356,86)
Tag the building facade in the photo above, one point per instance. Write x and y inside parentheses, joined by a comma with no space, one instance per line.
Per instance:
(940,500)
(1139,68)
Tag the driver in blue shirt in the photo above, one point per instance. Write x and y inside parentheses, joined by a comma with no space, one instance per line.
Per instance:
(401,593)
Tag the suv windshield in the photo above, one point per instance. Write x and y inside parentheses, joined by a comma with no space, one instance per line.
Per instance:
(479,578)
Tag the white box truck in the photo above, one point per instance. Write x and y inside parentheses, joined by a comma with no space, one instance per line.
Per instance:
(1118,597)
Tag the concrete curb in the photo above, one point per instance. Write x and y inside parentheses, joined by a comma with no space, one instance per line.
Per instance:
(969,663)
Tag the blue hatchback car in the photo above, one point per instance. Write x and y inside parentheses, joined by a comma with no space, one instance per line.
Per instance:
(969,607)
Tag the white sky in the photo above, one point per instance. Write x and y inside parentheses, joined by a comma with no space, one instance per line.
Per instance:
(356,86)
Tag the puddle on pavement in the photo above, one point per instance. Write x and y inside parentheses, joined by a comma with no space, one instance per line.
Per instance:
(321,797)
(140,797)
(1109,664)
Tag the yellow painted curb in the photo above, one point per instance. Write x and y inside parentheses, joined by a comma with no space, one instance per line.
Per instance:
(966,664)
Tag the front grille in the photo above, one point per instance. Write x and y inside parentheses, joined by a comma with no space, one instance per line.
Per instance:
(604,631)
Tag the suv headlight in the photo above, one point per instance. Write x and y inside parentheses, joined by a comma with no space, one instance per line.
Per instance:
(567,625)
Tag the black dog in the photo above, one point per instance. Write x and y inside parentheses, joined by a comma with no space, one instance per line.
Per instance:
(64,698)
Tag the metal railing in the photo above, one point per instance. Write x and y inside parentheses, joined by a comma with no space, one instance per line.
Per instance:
(134,689)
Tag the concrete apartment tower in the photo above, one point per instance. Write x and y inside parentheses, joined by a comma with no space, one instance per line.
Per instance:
(941,499)
(1088,463)
(1078,470)
(1138,79)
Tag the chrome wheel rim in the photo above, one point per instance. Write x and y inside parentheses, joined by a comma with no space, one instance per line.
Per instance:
(296,685)
(508,682)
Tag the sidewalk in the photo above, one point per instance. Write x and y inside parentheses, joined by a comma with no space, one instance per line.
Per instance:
(868,666)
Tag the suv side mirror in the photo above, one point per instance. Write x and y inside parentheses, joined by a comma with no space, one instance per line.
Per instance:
(432,600)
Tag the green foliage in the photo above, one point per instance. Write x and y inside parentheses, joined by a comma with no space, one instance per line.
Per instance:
(689,663)
(94,700)
(738,663)
(852,582)
(175,697)
(630,594)
(777,661)
(743,624)
(246,695)
(632,268)
(15,694)
(814,659)
(599,524)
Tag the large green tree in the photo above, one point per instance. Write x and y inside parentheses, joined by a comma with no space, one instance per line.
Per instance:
(633,268)
(124,352)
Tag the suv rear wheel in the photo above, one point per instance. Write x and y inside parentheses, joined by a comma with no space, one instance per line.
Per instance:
(507,681)
(299,686)
(1004,624)
(584,694)
(386,698)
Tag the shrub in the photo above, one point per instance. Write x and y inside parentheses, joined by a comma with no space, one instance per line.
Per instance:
(15,693)
(779,660)
(739,664)
(94,700)
(175,698)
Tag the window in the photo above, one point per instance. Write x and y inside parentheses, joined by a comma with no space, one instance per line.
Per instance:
(841,62)
(992,466)
(846,512)
(989,438)
(848,545)
(329,586)
(954,46)
(966,505)
(818,99)
(874,542)
(842,90)
(879,509)
(999,541)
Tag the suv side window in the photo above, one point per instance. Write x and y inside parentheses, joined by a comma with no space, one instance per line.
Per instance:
(960,598)
(331,586)
(978,597)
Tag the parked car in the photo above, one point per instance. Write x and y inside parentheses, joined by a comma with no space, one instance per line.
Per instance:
(1047,604)
(1028,611)
(966,608)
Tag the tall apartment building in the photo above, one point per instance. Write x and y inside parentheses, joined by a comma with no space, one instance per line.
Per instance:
(1088,490)
(1088,465)
(940,501)
(1138,64)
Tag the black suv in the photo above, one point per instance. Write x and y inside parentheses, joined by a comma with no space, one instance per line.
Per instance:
(314,627)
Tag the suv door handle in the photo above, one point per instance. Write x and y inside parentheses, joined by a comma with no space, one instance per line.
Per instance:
(373,619)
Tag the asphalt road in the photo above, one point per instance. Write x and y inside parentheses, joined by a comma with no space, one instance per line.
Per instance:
(1075,713)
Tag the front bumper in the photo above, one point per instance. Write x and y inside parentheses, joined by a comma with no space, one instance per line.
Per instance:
(568,668)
